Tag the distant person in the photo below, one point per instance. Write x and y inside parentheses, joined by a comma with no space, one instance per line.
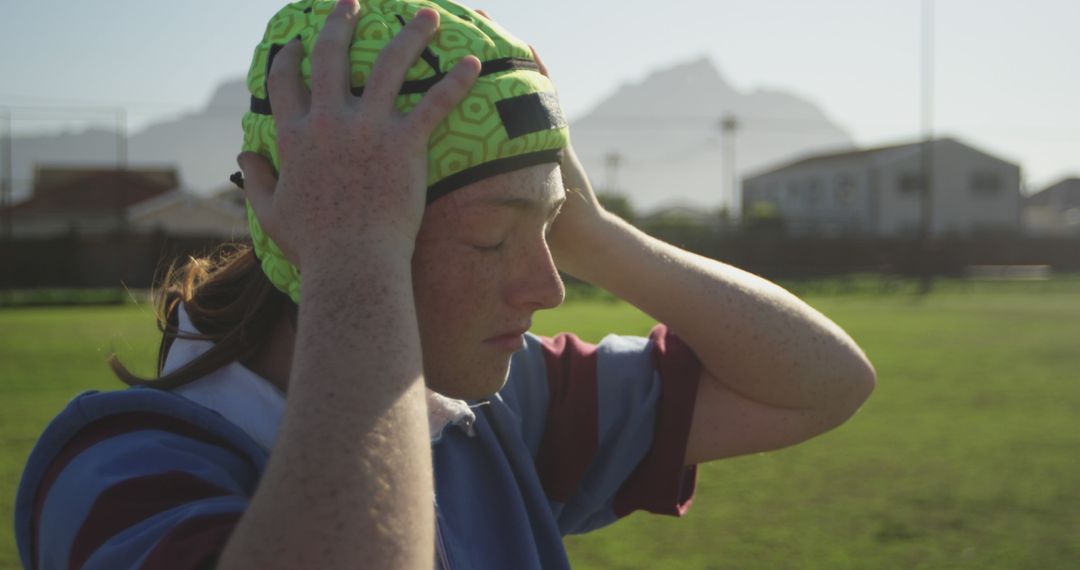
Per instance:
(389,408)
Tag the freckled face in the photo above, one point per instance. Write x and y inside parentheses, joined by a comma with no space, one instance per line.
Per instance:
(481,267)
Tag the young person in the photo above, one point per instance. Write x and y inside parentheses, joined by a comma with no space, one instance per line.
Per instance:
(394,408)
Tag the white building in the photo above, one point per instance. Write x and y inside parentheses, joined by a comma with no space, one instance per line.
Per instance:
(94,200)
(181,213)
(878,191)
(1055,210)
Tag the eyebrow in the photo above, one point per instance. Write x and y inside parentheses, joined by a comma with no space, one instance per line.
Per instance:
(526,204)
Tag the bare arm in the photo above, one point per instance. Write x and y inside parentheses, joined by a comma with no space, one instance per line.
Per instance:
(776,371)
(349,482)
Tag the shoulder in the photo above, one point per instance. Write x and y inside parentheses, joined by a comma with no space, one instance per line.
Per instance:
(560,366)
(607,422)
(109,451)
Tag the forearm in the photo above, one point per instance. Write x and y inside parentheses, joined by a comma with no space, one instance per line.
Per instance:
(349,482)
(750,334)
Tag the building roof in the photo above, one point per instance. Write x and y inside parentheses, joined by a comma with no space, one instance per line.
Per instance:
(1062,195)
(852,154)
(89,189)
(187,200)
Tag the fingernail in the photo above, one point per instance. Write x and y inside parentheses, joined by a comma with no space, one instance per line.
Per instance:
(430,13)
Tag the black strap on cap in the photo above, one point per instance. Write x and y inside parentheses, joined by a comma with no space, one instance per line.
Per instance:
(489,169)
(530,113)
(262,106)
(427,55)
(469,175)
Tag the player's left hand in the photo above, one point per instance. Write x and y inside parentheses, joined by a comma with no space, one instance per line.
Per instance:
(569,238)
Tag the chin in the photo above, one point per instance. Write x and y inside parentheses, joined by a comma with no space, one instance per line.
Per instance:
(474,385)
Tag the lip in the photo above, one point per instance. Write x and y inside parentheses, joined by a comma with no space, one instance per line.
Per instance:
(512,341)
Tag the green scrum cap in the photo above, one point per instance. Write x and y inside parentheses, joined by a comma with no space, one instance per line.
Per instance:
(510,119)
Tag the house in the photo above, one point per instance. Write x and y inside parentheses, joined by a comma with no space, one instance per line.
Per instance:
(183,214)
(87,200)
(95,200)
(878,191)
(1055,210)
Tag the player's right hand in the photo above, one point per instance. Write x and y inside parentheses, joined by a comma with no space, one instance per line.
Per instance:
(353,171)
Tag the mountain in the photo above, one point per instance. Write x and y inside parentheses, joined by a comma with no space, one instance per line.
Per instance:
(202,145)
(664,127)
(666,132)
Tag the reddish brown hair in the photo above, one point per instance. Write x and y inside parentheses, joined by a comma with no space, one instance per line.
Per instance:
(230,301)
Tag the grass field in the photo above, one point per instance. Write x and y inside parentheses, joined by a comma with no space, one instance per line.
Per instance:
(966,456)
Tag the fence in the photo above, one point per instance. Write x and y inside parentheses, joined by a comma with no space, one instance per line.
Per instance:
(94,261)
(134,258)
(788,257)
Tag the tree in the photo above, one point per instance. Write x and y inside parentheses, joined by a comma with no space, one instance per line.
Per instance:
(619,205)
(763,218)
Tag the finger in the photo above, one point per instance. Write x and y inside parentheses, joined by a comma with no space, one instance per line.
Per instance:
(444,96)
(539,62)
(397,57)
(330,56)
(259,182)
(288,95)
(484,14)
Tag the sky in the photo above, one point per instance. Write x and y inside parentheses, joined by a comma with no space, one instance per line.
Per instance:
(1005,73)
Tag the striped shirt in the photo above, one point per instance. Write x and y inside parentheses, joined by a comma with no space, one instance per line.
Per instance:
(580,436)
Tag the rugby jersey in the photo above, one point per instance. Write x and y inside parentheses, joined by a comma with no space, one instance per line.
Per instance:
(580,436)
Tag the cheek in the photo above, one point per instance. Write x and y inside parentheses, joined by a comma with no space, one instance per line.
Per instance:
(453,286)
(454,306)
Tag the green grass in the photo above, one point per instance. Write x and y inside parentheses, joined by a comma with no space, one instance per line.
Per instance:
(47,356)
(53,297)
(966,456)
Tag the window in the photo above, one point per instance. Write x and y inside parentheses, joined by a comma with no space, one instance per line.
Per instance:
(909,183)
(792,190)
(985,184)
(813,192)
(844,191)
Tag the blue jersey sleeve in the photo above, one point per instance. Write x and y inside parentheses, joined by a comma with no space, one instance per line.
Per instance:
(132,489)
(607,424)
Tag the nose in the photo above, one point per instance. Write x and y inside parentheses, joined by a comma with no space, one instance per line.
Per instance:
(536,284)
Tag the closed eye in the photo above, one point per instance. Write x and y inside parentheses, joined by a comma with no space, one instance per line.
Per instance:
(490,248)
(551,220)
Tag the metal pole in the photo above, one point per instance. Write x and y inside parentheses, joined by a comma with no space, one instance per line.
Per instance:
(928,116)
(612,162)
(121,138)
(7,182)
(927,155)
(6,245)
(728,126)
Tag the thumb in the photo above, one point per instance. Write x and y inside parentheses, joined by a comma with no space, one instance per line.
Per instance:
(258,183)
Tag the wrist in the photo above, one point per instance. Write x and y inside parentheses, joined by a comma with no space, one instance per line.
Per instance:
(356,251)
(355,273)
(577,248)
